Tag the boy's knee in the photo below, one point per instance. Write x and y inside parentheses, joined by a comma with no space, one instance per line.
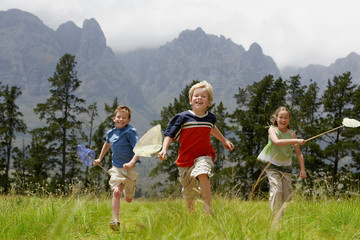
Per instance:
(117,194)
(129,200)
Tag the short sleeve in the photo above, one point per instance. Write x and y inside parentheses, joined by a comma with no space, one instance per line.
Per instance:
(132,137)
(107,138)
(174,127)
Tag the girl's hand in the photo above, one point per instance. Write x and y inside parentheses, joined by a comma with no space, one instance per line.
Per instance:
(302,174)
(301,141)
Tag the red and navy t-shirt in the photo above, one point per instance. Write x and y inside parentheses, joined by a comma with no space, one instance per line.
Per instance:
(193,134)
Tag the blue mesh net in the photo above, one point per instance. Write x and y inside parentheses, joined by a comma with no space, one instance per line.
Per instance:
(86,155)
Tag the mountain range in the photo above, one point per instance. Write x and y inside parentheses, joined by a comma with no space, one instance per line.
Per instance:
(145,79)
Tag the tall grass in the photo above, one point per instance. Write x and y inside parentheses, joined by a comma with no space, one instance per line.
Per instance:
(88,217)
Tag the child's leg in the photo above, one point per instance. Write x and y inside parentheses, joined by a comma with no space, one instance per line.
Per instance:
(130,184)
(116,201)
(205,191)
(287,188)
(189,184)
(128,196)
(275,198)
(190,205)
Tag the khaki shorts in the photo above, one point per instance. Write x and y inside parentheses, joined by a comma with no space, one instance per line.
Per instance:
(126,177)
(188,176)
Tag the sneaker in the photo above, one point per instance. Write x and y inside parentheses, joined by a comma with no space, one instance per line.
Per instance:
(115,225)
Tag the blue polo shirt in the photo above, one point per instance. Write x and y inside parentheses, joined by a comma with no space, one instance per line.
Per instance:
(122,141)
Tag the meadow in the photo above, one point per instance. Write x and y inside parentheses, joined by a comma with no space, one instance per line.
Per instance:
(88,217)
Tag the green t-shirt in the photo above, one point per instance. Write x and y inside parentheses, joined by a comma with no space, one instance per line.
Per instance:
(278,155)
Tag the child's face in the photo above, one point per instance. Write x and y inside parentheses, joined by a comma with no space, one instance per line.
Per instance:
(121,119)
(200,100)
(283,119)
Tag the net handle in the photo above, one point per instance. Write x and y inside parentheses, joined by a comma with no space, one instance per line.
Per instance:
(324,133)
(104,169)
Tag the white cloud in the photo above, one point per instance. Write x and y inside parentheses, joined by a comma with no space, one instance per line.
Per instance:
(293,33)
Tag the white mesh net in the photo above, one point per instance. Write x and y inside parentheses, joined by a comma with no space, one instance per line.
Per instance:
(348,122)
(149,143)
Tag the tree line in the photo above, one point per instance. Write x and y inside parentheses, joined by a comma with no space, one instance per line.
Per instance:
(50,163)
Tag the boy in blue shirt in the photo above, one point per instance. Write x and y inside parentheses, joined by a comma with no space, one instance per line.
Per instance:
(121,140)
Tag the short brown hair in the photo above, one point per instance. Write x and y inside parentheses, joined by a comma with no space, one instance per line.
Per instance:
(123,108)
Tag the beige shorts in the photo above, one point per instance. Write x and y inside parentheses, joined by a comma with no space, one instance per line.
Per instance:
(126,177)
(188,176)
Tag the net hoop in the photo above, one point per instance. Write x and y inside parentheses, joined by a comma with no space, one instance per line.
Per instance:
(348,122)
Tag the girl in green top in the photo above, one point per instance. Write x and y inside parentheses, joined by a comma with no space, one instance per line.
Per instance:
(279,153)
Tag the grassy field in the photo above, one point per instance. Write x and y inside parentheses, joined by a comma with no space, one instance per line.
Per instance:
(88,217)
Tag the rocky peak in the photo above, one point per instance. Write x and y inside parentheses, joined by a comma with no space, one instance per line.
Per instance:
(93,42)
(15,17)
(255,49)
(69,36)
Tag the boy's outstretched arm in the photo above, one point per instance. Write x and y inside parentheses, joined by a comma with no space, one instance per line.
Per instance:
(104,150)
(227,144)
(167,141)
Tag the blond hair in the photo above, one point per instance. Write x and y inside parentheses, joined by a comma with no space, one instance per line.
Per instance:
(276,113)
(123,108)
(203,84)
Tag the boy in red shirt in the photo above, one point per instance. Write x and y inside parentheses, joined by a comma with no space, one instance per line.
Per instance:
(196,155)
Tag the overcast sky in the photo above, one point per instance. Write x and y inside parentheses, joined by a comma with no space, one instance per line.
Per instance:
(295,33)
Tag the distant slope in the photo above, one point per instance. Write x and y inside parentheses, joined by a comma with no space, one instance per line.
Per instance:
(162,73)
(321,74)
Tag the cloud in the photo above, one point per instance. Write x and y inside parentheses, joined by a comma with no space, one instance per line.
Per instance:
(293,33)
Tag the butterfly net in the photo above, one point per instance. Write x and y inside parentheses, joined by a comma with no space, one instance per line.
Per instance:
(86,155)
(149,143)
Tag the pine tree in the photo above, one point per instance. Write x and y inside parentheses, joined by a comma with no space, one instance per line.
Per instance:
(338,103)
(222,123)
(355,132)
(60,112)
(10,125)
(256,103)
(309,115)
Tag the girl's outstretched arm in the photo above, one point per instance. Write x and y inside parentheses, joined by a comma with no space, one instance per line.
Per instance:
(281,142)
(300,158)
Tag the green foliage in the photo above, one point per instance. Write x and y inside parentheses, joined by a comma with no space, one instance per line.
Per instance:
(60,112)
(53,146)
(256,104)
(222,123)
(11,123)
(338,103)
